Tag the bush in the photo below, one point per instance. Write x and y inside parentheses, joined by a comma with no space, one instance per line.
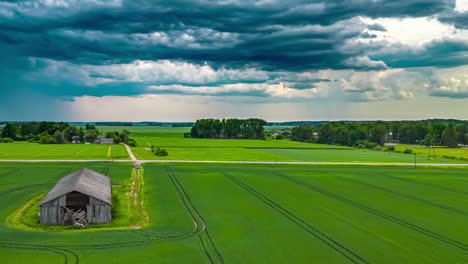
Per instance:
(116,140)
(6,140)
(160,152)
(115,205)
(391,148)
(361,146)
(378,148)
(131,142)
(367,144)
(408,151)
(279,136)
(47,139)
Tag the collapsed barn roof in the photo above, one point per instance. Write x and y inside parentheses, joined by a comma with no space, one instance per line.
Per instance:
(85,181)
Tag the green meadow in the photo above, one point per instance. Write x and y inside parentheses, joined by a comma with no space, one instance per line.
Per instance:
(180,148)
(436,152)
(35,151)
(220,213)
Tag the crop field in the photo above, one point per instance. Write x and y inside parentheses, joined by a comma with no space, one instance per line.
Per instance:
(180,148)
(439,152)
(24,150)
(219,213)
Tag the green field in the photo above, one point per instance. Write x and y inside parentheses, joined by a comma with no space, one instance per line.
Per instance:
(180,148)
(439,152)
(201,213)
(24,150)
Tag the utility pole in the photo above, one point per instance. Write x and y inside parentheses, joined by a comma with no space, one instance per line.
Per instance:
(415,159)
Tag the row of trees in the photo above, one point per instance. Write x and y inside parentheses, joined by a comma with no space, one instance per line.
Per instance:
(410,132)
(66,134)
(229,128)
(58,133)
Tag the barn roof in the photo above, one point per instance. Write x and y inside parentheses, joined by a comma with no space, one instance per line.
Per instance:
(85,181)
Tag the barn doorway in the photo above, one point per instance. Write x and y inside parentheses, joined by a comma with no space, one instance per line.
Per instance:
(77,201)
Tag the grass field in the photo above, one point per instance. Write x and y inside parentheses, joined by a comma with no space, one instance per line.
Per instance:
(440,152)
(200,213)
(24,150)
(180,148)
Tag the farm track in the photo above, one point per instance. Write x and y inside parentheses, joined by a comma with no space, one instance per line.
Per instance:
(452,190)
(335,245)
(201,229)
(381,214)
(408,196)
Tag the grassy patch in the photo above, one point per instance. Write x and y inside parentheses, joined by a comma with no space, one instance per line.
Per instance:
(25,150)
(27,216)
(439,152)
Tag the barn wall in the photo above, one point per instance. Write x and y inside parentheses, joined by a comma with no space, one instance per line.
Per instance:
(98,211)
(51,212)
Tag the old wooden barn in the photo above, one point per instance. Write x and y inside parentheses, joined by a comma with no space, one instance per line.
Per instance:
(83,197)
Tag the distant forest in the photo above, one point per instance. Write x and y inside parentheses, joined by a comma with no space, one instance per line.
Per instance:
(229,128)
(359,134)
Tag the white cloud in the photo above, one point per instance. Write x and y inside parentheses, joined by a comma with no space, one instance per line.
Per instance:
(451,82)
(461,5)
(274,90)
(414,31)
(157,72)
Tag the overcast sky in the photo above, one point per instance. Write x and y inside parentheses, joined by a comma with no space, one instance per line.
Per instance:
(118,60)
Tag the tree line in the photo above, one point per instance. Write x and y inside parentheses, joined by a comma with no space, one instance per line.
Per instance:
(56,133)
(403,132)
(251,128)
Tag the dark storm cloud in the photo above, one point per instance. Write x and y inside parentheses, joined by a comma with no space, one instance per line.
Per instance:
(376,27)
(438,53)
(270,35)
(458,19)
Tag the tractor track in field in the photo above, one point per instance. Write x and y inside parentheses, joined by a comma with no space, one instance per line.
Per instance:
(8,173)
(415,198)
(376,212)
(335,245)
(63,173)
(201,228)
(69,256)
(459,192)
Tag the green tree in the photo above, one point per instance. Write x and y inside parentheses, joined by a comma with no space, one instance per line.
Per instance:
(450,137)
(304,133)
(10,131)
(90,135)
(428,140)
(437,130)
(70,132)
(59,137)
(45,138)
(160,152)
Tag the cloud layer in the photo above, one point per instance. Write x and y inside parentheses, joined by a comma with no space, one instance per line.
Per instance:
(255,51)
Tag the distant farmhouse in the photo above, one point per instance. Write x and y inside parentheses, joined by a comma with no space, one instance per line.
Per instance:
(81,198)
(104,140)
